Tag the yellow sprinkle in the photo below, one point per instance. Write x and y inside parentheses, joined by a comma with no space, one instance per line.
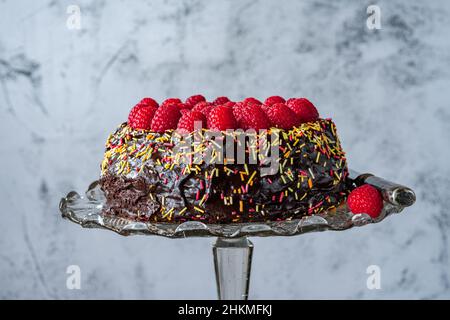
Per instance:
(168,213)
(290,176)
(203,199)
(241,206)
(199,209)
(182,211)
(251,177)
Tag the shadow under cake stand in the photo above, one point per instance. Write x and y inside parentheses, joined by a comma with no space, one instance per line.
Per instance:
(233,250)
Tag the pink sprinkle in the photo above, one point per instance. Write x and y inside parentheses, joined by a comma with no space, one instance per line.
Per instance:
(281,196)
(273,198)
(201,184)
(197,195)
(270,181)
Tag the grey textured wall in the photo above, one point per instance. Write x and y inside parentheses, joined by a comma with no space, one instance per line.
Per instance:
(62,91)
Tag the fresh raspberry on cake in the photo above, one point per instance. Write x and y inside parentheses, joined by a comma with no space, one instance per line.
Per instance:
(365,199)
(281,116)
(166,117)
(250,116)
(204,107)
(171,101)
(149,102)
(238,110)
(221,118)
(274,99)
(183,106)
(304,109)
(193,100)
(252,100)
(220,100)
(229,104)
(264,107)
(188,119)
(288,101)
(141,116)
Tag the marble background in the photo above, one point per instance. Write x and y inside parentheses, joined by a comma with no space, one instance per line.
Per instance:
(62,91)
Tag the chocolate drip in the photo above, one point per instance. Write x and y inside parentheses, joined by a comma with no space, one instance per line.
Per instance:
(312,178)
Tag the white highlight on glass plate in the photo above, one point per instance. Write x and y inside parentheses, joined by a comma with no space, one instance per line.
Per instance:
(374,19)
(73,281)
(73,22)
(374,279)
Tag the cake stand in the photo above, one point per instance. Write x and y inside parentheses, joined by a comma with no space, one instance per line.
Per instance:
(232,250)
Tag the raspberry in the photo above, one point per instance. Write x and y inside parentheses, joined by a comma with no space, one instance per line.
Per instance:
(304,109)
(183,106)
(281,116)
(238,110)
(229,104)
(149,102)
(250,116)
(221,118)
(365,199)
(204,107)
(187,121)
(193,100)
(290,100)
(171,101)
(252,100)
(274,99)
(166,118)
(265,107)
(141,115)
(220,100)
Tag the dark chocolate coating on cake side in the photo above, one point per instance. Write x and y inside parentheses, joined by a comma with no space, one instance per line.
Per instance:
(140,182)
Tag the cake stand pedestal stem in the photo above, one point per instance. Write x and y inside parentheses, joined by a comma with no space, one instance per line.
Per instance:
(232,263)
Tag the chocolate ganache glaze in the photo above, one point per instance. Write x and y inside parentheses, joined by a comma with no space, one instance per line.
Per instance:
(144,177)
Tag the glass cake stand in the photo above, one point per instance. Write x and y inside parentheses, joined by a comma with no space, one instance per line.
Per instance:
(233,250)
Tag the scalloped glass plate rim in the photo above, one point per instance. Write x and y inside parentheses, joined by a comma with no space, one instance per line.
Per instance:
(87,212)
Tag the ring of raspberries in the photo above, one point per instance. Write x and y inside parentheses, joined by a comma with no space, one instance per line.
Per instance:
(221,114)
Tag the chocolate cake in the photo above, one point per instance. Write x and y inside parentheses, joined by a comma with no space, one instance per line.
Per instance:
(223,162)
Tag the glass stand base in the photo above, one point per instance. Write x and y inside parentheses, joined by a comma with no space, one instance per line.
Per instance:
(232,263)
